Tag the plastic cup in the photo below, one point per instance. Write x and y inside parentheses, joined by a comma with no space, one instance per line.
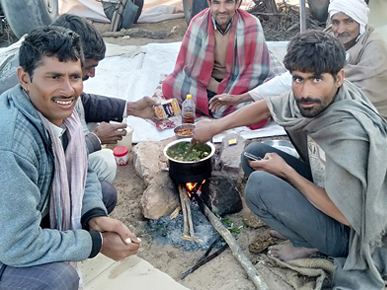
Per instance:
(127,139)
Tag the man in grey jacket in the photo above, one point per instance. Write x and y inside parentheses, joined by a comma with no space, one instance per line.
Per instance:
(51,210)
(93,109)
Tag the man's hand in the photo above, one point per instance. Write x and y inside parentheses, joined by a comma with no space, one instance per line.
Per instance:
(115,248)
(118,241)
(223,100)
(110,133)
(144,108)
(204,131)
(272,163)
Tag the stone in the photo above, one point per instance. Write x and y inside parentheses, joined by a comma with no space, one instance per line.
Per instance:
(230,156)
(149,159)
(221,195)
(160,198)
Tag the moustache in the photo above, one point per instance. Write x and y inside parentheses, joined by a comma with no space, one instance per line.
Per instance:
(344,34)
(307,100)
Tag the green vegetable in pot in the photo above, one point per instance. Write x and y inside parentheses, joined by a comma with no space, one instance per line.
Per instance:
(179,151)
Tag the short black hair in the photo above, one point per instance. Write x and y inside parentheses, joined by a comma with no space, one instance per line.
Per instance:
(315,51)
(92,42)
(58,42)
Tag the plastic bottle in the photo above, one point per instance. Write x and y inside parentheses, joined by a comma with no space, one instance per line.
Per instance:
(188,110)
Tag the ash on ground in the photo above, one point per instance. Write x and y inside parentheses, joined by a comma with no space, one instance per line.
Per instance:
(167,231)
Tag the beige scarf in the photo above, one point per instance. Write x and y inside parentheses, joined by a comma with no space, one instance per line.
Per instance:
(69,180)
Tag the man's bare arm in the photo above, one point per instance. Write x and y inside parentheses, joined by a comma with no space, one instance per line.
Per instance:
(248,115)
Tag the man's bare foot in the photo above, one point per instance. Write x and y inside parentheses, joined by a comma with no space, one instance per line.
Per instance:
(287,252)
(277,235)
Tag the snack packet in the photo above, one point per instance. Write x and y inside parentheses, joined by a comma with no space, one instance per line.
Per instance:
(168,108)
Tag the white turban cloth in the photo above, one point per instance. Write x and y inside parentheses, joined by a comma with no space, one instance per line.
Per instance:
(356,9)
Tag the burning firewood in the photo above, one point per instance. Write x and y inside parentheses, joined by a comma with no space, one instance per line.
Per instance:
(188,229)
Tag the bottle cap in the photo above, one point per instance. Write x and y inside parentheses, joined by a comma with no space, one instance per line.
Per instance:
(120,151)
(189,96)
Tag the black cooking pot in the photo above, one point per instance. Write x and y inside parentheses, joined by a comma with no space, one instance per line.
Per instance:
(189,171)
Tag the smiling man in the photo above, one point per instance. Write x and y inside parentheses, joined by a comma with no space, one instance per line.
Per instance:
(95,111)
(51,209)
(366,59)
(331,200)
(223,51)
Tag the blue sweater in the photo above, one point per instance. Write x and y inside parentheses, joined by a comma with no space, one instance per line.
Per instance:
(26,173)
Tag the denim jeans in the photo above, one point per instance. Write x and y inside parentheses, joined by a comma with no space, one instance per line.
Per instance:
(109,195)
(53,276)
(286,210)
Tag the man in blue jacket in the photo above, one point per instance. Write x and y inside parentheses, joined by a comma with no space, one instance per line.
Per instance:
(51,210)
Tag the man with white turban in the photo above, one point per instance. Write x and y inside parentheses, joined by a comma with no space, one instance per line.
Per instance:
(366,55)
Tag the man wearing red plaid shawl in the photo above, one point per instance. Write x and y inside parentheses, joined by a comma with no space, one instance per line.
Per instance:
(223,51)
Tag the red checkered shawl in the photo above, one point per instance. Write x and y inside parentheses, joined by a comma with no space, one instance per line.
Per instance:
(247,61)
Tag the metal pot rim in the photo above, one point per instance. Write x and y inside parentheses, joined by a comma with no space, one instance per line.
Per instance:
(212,146)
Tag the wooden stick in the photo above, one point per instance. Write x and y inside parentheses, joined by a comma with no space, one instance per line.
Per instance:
(187,203)
(184,209)
(252,272)
(175,212)
(202,261)
(189,216)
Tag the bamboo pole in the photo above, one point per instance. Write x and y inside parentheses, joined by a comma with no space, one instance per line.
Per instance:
(302,16)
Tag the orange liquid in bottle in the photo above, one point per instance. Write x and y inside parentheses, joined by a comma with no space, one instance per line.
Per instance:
(188,118)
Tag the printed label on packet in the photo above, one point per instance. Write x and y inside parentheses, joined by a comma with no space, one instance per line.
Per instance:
(168,108)
(232,142)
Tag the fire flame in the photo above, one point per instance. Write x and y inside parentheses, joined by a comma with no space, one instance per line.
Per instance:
(191,186)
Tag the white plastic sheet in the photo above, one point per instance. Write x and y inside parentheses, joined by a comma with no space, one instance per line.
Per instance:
(161,13)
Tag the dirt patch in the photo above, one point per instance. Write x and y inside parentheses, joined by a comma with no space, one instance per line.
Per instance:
(262,242)
(144,33)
